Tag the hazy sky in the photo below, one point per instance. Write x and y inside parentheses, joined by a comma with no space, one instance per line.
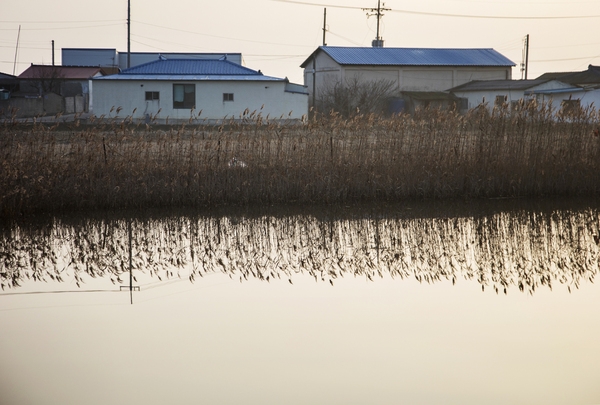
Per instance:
(276,36)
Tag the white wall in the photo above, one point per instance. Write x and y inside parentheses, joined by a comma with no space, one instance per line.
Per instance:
(270,98)
(477,98)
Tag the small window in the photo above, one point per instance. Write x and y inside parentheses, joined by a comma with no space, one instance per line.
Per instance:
(227,97)
(570,107)
(152,95)
(500,100)
(184,96)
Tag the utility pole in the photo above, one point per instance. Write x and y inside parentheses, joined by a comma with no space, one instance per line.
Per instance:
(526,55)
(324,25)
(377,12)
(128,33)
(525,63)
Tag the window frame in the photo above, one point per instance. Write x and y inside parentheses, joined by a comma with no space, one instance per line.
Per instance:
(152,95)
(228,97)
(185,104)
(500,100)
(570,107)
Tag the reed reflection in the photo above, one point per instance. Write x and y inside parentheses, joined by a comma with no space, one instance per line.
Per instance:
(523,248)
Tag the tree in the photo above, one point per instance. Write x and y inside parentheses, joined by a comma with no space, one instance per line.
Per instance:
(47,80)
(355,95)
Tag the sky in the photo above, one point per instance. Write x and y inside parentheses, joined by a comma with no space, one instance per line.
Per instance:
(276,36)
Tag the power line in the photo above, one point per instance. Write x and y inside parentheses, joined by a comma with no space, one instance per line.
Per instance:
(448,14)
(58,22)
(63,28)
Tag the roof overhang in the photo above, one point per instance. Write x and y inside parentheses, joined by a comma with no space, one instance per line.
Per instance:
(554,91)
(191,78)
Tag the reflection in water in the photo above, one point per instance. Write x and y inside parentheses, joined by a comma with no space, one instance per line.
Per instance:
(523,247)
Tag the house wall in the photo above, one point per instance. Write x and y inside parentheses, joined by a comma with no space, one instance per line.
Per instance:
(269,98)
(587,99)
(476,98)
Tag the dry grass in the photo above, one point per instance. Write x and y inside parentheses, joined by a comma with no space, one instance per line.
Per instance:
(329,159)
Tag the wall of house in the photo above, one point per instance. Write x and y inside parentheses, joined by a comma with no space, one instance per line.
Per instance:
(320,75)
(269,98)
(586,99)
(476,98)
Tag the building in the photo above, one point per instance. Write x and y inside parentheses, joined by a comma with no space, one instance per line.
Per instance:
(196,89)
(583,93)
(53,89)
(8,84)
(567,91)
(411,69)
(110,58)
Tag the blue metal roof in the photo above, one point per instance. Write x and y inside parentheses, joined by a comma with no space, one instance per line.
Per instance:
(196,67)
(413,56)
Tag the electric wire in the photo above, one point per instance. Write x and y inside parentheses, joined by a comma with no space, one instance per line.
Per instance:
(427,13)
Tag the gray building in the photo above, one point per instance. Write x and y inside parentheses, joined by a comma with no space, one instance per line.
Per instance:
(411,69)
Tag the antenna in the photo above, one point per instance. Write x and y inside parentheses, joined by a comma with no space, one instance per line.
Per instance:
(324,25)
(17,50)
(377,12)
(128,34)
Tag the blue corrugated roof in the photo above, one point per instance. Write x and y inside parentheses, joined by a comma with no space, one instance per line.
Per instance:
(413,56)
(198,67)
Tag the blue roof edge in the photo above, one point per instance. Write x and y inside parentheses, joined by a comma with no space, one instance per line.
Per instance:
(131,70)
(505,63)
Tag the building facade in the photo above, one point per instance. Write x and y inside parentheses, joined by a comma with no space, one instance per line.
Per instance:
(196,89)
(411,69)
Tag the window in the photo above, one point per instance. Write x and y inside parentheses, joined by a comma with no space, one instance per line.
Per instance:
(500,100)
(227,97)
(152,95)
(184,96)
(570,107)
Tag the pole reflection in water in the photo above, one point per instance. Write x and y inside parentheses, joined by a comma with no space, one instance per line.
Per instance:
(499,246)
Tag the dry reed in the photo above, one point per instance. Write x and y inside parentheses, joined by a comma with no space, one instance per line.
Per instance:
(529,151)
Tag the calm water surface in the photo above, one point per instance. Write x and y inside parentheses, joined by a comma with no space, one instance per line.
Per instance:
(416,303)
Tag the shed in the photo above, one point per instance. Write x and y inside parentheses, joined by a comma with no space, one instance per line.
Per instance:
(410,69)
(67,81)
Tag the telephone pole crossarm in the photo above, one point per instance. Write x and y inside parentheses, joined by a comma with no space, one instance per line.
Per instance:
(377,12)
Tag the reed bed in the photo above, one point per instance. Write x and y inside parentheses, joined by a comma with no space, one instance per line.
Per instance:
(530,151)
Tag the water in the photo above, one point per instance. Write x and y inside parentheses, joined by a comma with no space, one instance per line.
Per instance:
(353,305)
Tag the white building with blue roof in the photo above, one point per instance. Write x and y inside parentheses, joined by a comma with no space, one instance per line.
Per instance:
(184,89)
(412,69)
